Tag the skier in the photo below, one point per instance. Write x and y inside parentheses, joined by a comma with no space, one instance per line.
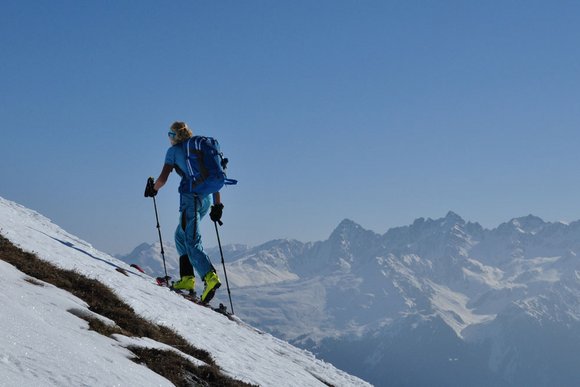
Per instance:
(192,208)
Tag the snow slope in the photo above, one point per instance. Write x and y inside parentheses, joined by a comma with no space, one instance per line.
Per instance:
(44,343)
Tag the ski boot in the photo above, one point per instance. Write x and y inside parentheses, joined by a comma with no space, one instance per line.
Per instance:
(212,283)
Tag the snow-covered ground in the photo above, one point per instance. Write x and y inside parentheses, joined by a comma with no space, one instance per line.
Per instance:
(43,342)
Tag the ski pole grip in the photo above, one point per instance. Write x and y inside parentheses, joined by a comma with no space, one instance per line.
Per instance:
(149,186)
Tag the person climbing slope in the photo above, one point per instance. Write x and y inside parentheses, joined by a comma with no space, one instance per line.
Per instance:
(200,164)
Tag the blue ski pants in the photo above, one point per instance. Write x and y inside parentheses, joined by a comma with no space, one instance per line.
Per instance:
(188,236)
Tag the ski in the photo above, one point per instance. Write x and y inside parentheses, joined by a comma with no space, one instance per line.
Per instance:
(221,309)
(191,296)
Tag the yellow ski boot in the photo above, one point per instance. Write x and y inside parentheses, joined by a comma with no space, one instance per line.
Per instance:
(185,283)
(212,283)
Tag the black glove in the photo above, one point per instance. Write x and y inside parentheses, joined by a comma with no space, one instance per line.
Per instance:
(216,213)
(149,190)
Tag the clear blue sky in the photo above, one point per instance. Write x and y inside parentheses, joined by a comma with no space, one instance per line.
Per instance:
(378,111)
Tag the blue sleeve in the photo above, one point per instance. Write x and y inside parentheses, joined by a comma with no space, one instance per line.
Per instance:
(176,158)
(170,156)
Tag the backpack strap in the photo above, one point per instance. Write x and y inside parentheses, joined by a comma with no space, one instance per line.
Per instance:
(187,147)
(196,146)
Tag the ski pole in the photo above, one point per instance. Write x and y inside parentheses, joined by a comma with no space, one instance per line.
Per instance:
(224,265)
(161,242)
(150,182)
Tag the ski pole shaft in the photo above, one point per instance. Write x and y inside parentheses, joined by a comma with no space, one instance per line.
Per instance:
(224,265)
(160,241)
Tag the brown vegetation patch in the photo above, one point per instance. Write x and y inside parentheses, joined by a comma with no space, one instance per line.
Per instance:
(100,326)
(180,371)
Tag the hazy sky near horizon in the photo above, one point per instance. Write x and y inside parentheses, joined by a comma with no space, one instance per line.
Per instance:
(377,111)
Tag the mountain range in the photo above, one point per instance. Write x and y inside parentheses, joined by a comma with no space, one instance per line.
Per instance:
(440,302)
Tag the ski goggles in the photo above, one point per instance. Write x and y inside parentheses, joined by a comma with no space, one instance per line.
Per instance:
(171,134)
